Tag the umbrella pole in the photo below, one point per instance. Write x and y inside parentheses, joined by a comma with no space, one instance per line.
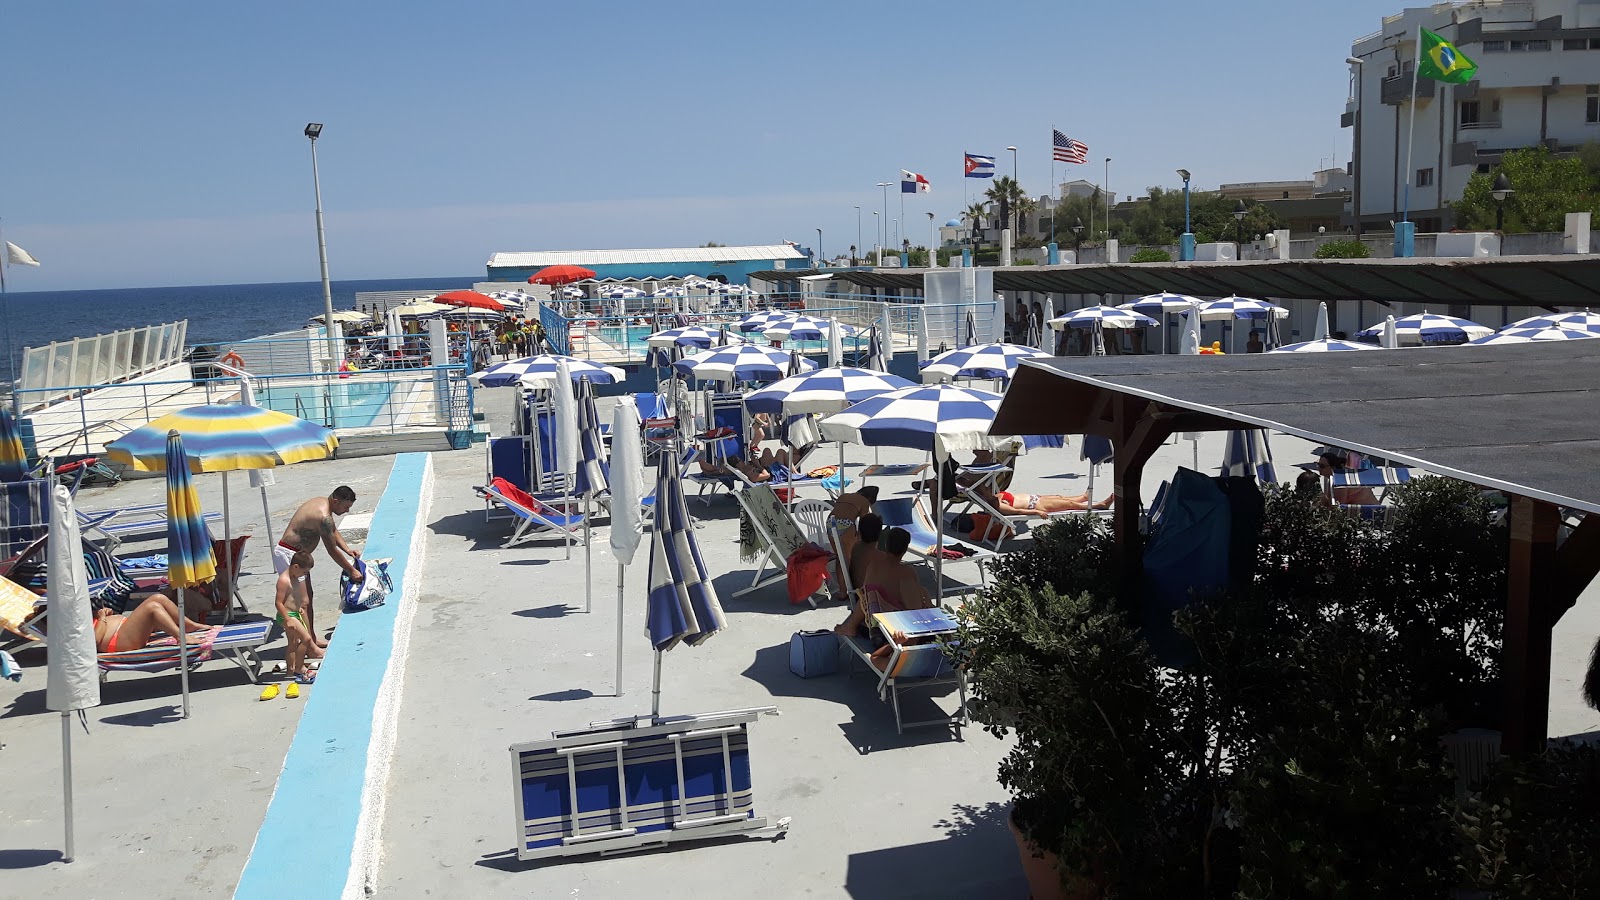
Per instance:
(226,584)
(655,690)
(588,558)
(183,649)
(66,781)
(266,514)
(938,530)
(622,574)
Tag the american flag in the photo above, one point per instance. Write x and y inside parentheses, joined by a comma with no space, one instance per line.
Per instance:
(1069,150)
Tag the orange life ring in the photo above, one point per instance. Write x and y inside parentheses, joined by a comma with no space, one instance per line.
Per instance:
(232,359)
(592,323)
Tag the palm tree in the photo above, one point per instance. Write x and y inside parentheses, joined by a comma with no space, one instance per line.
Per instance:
(1007,193)
(1025,206)
(975,214)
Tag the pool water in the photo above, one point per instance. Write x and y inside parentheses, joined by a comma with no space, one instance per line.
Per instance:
(354,404)
(636,335)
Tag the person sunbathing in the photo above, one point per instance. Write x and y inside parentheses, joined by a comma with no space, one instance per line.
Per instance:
(117,633)
(888,584)
(752,471)
(1041,505)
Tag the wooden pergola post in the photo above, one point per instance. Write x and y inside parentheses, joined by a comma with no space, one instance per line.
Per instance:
(1543,582)
(1137,430)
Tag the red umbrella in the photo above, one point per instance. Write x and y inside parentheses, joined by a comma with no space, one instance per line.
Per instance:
(560,275)
(470,298)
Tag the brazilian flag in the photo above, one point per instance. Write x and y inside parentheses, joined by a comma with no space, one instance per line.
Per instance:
(1443,61)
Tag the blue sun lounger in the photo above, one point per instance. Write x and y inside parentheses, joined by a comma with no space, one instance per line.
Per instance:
(633,784)
(532,523)
(914,665)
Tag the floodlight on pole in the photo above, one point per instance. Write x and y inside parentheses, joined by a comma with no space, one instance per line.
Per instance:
(883,220)
(1500,191)
(1186,242)
(335,357)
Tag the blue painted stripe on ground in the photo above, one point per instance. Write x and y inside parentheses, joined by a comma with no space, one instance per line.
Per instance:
(307,838)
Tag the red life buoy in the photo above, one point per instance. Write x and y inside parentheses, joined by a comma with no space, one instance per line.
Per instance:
(232,359)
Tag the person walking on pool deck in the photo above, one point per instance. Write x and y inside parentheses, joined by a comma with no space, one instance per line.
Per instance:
(317,520)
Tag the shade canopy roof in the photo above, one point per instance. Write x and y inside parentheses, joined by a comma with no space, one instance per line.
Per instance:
(1572,280)
(1521,418)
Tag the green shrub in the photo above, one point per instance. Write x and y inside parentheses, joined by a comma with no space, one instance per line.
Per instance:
(1149,255)
(1533,830)
(1342,250)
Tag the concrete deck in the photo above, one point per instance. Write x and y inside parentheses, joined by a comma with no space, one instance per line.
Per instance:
(166,808)
(501,652)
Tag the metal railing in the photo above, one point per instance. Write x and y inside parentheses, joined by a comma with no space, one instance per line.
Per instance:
(381,401)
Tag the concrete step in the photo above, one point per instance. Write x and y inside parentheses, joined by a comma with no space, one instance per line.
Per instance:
(412,440)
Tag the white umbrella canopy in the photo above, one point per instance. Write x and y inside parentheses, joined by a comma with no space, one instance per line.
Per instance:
(1191,334)
(627,477)
(1389,338)
(1576,321)
(1323,346)
(1106,316)
(1531,335)
(1321,333)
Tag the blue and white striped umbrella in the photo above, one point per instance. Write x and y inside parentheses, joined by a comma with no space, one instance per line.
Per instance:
(738,362)
(1106,316)
(1322,346)
(540,372)
(979,361)
(1248,455)
(822,391)
(762,321)
(594,476)
(797,328)
(1429,328)
(682,605)
(939,418)
(1156,304)
(1574,321)
(876,359)
(688,336)
(1239,308)
(1530,335)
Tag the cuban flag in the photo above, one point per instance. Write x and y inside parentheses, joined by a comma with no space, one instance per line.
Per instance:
(912,183)
(979,166)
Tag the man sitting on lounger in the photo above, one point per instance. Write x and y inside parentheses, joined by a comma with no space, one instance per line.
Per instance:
(116,634)
(1041,505)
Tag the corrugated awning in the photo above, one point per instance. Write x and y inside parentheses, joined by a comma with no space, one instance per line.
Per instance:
(1523,418)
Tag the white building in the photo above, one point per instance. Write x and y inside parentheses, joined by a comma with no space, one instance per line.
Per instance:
(1538,81)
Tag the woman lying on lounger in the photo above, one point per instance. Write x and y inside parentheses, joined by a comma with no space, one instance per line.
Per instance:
(114,633)
(1041,505)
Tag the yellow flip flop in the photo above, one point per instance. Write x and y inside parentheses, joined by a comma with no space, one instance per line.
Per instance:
(293,693)
(270,692)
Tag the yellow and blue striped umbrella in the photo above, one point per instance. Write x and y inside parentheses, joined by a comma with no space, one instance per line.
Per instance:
(224,437)
(13,461)
(189,559)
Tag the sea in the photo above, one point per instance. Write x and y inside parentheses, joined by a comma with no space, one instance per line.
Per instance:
(216,313)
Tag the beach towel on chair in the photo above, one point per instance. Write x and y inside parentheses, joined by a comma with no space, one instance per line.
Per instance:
(807,571)
(371,590)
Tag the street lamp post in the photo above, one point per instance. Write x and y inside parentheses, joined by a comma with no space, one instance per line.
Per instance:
(1013,163)
(819,248)
(883,220)
(933,253)
(1500,192)
(877,238)
(314,131)
(1077,240)
(858,235)
(1239,213)
(1355,145)
(1186,242)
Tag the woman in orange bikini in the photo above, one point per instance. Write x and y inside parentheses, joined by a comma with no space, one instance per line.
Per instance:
(114,633)
(1042,505)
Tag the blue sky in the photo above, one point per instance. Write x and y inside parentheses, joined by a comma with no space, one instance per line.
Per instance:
(153,144)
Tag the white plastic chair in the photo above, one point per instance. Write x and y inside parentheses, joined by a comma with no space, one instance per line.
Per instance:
(812,516)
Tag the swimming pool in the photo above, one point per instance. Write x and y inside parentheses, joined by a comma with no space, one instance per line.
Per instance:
(353,404)
(633,339)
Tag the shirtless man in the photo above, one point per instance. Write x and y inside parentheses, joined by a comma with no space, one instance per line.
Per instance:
(316,520)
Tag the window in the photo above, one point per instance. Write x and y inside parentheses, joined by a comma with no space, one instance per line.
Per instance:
(1467,114)
(1530,46)
(1494,46)
(1424,177)
(1591,111)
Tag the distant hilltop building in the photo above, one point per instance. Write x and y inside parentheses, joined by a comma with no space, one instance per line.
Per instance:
(732,265)
(1538,82)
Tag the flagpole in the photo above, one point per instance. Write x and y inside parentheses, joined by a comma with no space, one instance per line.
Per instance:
(1411,130)
(5,320)
(1054,188)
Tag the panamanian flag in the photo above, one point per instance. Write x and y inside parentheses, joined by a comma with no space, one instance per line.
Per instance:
(912,183)
(979,166)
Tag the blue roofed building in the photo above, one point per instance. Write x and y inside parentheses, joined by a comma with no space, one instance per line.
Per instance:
(730,264)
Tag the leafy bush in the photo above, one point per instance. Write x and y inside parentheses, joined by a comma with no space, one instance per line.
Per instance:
(1533,830)
(1342,250)
(1149,255)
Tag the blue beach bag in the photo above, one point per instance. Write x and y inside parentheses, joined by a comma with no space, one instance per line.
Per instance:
(813,653)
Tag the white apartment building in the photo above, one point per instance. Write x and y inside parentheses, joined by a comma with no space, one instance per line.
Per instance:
(1538,81)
